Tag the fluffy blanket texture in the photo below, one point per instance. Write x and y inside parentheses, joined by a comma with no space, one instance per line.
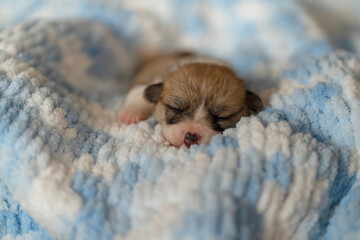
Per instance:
(69,171)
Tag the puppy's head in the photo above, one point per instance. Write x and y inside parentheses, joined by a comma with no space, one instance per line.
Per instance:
(199,100)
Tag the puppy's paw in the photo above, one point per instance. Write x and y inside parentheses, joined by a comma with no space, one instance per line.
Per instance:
(129,116)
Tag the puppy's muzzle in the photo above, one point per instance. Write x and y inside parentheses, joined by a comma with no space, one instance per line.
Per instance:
(191,138)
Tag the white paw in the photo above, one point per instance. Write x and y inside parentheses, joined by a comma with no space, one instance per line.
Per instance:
(129,116)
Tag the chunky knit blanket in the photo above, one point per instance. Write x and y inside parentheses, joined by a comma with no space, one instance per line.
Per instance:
(68,170)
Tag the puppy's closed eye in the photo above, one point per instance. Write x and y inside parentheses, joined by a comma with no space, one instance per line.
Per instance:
(174,109)
(227,117)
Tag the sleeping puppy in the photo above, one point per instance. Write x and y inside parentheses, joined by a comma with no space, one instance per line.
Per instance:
(193,97)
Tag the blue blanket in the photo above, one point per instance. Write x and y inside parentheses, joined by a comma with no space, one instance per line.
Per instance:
(68,170)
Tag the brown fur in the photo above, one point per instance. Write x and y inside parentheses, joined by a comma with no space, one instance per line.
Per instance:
(157,67)
(189,91)
(217,87)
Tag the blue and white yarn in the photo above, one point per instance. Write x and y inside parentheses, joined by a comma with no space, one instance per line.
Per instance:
(69,171)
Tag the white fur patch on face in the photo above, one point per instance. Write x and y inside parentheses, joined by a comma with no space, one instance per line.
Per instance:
(175,133)
(200,113)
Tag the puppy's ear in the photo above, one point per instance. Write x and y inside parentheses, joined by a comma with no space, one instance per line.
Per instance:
(153,92)
(253,103)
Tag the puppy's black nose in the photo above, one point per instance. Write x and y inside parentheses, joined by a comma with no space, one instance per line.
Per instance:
(190,139)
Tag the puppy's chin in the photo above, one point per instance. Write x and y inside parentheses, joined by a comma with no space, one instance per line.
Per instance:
(176,134)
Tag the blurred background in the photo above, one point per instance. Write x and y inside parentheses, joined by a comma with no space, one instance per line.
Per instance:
(340,20)
(336,17)
(259,38)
